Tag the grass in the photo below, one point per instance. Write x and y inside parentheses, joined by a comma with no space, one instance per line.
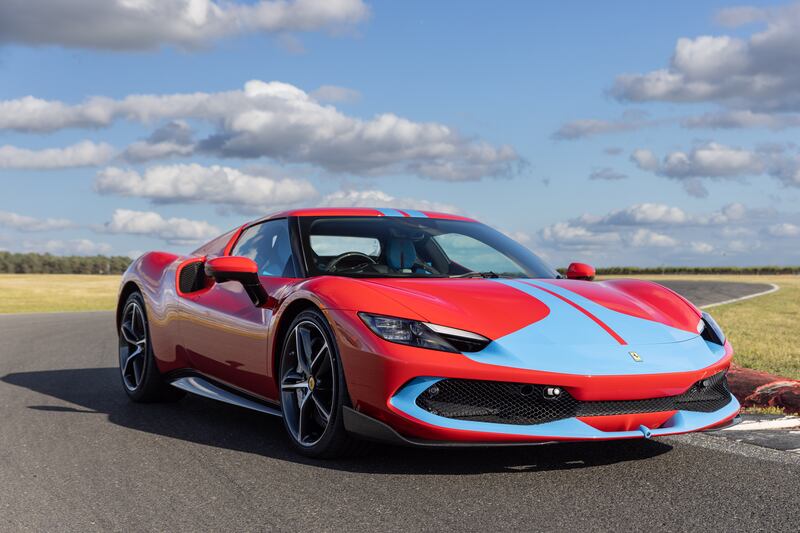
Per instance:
(39,293)
(764,331)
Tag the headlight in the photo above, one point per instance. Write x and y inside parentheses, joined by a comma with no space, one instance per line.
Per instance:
(711,330)
(423,334)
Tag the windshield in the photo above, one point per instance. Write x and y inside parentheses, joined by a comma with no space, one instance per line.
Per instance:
(414,247)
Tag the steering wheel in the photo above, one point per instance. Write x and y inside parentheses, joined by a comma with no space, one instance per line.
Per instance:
(367,260)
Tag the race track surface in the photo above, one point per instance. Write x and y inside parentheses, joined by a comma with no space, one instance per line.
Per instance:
(76,455)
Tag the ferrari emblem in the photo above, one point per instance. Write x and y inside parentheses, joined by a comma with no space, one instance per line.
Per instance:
(311,383)
(636,357)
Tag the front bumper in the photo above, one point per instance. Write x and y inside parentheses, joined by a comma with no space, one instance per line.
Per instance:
(385,379)
(565,429)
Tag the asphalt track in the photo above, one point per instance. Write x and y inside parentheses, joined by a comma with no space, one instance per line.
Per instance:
(75,455)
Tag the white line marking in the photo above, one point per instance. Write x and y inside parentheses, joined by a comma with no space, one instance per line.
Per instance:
(733,300)
(787,422)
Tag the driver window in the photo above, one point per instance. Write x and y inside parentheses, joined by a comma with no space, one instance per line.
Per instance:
(268,245)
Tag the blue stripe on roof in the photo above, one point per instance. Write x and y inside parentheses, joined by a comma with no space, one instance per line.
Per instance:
(391,212)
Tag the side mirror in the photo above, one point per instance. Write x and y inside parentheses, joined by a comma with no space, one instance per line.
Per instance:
(240,269)
(580,271)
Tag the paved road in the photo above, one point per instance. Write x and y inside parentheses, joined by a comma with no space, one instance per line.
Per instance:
(709,292)
(75,455)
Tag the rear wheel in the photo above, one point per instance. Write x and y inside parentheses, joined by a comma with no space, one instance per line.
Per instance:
(140,376)
(313,389)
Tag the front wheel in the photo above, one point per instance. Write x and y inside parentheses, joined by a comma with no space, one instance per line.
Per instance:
(140,376)
(313,389)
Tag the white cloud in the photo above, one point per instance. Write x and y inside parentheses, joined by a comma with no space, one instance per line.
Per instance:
(375,198)
(639,215)
(26,223)
(785,229)
(755,73)
(82,154)
(196,183)
(742,118)
(647,238)
(177,231)
(569,235)
(280,121)
(334,93)
(172,139)
(149,24)
(607,174)
(700,247)
(68,247)
(709,160)
(582,128)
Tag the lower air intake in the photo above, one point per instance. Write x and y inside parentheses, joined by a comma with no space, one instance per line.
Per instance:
(526,404)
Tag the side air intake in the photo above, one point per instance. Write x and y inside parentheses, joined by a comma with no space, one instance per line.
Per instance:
(191,277)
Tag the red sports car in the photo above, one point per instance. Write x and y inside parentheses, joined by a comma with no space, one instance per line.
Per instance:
(416,328)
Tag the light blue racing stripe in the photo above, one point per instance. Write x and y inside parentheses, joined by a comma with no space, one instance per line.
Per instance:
(567,341)
(391,212)
(415,213)
(627,326)
(680,422)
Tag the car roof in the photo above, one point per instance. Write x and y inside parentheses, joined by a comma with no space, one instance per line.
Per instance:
(363,212)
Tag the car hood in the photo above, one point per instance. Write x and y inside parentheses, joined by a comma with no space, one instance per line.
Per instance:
(590,323)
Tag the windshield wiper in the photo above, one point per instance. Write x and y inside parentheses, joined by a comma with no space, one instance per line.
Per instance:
(487,274)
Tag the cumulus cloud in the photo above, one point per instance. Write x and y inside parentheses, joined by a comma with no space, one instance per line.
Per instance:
(785,229)
(27,223)
(280,121)
(376,198)
(607,174)
(566,235)
(149,24)
(68,247)
(334,93)
(654,214)
(756,73)
(82,154)
(742,118)
(711,160)
(177,231)
(190,183)
(172,139)
(700,247)
(648,238)
(582,128)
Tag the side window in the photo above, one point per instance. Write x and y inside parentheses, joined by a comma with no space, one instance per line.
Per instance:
(268,245)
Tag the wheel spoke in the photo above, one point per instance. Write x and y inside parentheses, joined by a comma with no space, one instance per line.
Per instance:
(318,359)
(321,409)
(127,334)
(302,415)
(293,380)
(303,348)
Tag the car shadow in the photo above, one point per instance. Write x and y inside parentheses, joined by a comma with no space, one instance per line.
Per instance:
(203,421)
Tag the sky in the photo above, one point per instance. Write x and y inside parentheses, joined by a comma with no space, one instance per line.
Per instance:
(629,133)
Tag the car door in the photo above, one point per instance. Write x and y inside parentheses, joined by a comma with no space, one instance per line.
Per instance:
(225,335)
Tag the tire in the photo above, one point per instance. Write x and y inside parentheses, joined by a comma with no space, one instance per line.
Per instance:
(313,386)
(141,380)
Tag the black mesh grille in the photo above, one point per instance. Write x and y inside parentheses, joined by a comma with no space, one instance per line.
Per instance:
(523,403)
(191,277)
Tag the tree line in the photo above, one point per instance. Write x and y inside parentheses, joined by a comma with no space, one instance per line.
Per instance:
(33,263)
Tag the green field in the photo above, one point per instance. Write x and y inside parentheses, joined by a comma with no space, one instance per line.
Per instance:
(764,330)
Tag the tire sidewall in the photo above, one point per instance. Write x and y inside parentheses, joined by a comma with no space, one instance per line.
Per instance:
(335,428)
(142,388)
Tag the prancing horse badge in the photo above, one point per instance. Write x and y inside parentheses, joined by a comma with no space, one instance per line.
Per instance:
(636,357)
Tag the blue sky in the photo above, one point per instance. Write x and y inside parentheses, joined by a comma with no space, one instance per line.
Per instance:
(642,134)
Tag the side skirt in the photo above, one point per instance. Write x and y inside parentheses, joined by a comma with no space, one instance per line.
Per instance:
(206,388)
